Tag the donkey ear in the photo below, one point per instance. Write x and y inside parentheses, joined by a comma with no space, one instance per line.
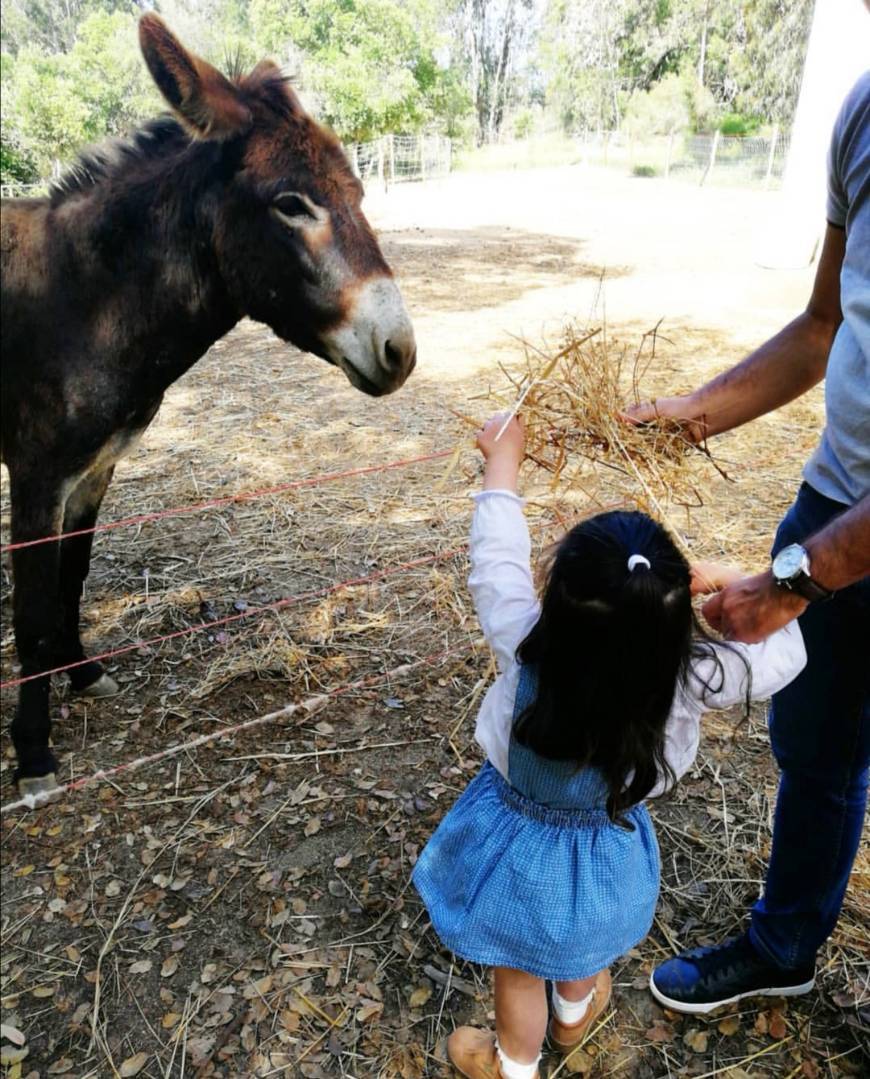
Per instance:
(204,100)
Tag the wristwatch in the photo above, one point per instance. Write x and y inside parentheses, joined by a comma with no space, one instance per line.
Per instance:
(791,569)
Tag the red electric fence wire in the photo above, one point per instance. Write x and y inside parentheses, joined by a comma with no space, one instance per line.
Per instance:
(214,503)
(31,801)
(287,601)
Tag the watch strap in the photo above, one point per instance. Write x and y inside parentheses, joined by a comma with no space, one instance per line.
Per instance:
(805,586)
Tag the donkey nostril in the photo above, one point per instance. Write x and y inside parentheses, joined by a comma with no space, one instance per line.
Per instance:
(393,354)
(401,351)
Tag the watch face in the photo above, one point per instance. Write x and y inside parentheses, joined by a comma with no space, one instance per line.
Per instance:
(789,562)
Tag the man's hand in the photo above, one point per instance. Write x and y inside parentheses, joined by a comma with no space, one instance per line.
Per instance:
(751,609)
(682,410)
(503,451)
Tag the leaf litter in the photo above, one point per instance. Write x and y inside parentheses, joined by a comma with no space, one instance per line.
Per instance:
(246,909)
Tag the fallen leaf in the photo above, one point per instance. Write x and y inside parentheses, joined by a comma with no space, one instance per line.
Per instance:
(343,861)
(133,1065)
(729,1025)
(181,922)
(369,1009)
(141,966)
(170,1019)
(312,827)
(43,991)
(420,995)
(696,1040)
(12,1034)
(776,1028)
(113,888)
(660,1032)
(199,1049)
(579,1062)
(208,973)
(10,1055)
(169,967)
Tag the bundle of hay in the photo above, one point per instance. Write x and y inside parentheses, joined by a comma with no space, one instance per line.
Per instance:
(578,440)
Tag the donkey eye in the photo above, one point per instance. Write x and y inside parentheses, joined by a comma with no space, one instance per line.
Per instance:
(289,204)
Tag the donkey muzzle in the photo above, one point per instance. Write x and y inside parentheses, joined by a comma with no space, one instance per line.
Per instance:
(374,345)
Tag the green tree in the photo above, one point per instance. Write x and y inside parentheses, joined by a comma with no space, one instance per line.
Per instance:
(662,110)
(58,102)
(370,64)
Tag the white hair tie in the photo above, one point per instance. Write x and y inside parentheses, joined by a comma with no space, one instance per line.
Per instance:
(638,560)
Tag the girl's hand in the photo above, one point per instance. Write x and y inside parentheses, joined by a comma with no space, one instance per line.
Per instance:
(512,442)
(709,577)
(503,454)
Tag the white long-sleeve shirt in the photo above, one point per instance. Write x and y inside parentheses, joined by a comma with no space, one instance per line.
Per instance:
(507,605)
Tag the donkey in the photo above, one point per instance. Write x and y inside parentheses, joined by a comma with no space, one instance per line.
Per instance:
(237,204)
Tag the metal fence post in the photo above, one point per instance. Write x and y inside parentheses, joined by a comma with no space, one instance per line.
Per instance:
(422,157)
(773,141)
(392,156)
(668,158)
(712,160)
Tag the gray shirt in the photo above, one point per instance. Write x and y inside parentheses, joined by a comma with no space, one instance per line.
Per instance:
(840,466)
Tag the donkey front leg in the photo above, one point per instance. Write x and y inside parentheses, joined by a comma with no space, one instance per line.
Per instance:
(82,507)
(37,510)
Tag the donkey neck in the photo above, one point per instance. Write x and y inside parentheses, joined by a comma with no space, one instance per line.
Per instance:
(146,271)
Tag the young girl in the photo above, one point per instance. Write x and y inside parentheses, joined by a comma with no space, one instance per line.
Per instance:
(547,867)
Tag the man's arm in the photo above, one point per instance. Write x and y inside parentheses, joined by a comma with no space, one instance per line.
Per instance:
(783,368)
(752,609)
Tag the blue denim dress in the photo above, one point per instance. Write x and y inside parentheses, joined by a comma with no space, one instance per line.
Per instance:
(533,874)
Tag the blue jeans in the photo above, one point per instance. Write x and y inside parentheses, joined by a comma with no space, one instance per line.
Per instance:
(820,734)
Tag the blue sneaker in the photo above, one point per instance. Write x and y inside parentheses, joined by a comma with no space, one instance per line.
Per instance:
(700,981)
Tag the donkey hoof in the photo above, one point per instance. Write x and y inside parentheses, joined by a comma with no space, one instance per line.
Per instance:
(105,686)
(42,789)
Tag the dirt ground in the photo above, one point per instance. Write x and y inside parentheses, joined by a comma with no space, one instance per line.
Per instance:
(244,908)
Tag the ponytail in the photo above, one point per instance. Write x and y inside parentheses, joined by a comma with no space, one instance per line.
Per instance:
(612,645)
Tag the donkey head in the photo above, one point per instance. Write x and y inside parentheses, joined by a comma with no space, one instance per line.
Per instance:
(292,245)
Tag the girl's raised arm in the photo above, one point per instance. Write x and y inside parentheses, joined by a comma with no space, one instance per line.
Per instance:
(501,579)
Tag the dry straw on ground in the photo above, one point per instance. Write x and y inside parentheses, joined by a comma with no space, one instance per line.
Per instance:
(245,908)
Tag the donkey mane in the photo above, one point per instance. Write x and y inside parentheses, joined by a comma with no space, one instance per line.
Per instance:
(103,162)
(153,139)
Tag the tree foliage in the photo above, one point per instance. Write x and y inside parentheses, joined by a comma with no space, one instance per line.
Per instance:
(743,55)
(71,71)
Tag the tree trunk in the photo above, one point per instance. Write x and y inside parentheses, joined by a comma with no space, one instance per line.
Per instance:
(495,109)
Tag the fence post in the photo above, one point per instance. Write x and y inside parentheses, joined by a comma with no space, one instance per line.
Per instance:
(392,158)
(354,160)
(670,152)
(773,141)
(422,157)
(381,173)
(712,160)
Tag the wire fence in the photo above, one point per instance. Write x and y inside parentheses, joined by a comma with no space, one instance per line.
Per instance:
(395,158)
(24,191)
(388,160)
(724,159)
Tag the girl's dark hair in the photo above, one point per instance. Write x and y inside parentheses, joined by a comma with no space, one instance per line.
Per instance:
(610,648)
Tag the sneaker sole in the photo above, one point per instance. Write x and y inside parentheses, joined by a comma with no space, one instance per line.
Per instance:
(703,1009)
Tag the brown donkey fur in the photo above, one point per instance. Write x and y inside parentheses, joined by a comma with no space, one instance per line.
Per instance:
(142,257)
